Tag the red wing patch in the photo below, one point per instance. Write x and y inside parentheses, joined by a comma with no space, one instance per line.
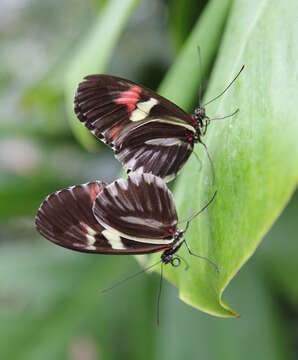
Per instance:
(129,98)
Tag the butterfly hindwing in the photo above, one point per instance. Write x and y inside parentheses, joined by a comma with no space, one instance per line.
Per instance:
(66,218)
(147,150)
(140,208)
(136,123)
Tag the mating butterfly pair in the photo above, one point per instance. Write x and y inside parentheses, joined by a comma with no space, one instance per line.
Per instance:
(153,139)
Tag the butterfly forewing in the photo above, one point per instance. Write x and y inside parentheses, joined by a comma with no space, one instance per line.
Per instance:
(140,208)
(136,123)
(66,218)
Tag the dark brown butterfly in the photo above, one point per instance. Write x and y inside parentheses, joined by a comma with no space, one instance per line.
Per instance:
(130,216)
(145,130)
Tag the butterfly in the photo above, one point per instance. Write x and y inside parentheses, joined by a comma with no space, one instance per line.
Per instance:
(145,130)
(136,215)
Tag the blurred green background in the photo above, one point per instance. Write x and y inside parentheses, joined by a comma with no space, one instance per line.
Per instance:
(50,305)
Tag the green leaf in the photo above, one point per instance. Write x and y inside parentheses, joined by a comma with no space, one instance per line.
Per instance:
(93,56)
(260,329)
(181,83)
(182,16)
(255,153)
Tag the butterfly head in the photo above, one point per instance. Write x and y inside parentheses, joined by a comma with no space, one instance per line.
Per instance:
(200,113)
(201,121)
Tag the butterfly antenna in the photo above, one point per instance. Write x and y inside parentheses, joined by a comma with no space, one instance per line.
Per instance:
(129,277)
(230,84)
(159,293)
(201,87)
(226,116)
(197,213)
(210,162)
(201,257)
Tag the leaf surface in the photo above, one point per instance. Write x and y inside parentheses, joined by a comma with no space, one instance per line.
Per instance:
(255,153)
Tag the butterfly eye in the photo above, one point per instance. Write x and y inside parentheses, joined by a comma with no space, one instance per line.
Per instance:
(189,138)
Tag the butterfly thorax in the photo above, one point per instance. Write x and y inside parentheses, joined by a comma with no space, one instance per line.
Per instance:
(168,255)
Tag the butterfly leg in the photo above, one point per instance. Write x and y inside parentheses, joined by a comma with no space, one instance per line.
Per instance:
(185,262)
(201,257)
